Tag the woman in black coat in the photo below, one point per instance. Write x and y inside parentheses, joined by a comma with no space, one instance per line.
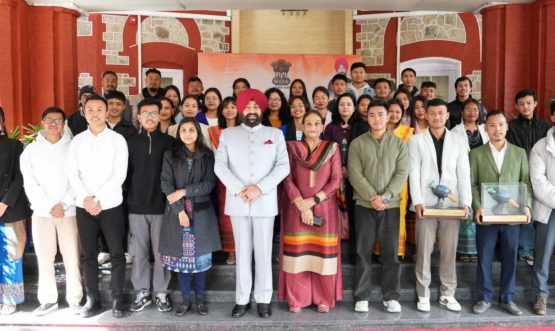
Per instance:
(189,232)
(14,209)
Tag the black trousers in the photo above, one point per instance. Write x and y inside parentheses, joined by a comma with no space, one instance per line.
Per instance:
(372,224)
(109,222)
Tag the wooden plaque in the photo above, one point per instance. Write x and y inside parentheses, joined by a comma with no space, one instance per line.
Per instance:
(453,213)
(504,219)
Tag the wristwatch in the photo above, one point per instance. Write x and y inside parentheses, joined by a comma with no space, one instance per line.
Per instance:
(385,199)
(316,199)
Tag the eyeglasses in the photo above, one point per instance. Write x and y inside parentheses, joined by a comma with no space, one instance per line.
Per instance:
(56,121)
(147,114)
(472,110)
(211,98)
(274,99)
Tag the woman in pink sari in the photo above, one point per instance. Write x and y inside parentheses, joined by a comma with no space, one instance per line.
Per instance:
(310,252)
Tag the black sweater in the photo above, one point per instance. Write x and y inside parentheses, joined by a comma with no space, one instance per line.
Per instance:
(525,133)
(146,153)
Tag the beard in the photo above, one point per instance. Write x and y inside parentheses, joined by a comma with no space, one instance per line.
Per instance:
(252,120)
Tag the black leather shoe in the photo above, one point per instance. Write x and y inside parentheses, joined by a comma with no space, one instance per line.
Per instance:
(184,307)
(91,308)
(117,309)
(240,310)
(201,307)
(264,310)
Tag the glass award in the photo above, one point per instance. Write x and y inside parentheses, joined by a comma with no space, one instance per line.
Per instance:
(503,203)
(443,209)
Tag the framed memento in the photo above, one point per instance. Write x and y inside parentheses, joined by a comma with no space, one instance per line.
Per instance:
(441,209)
(504,203)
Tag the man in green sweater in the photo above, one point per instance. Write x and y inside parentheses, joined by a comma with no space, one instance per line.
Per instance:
(378,169)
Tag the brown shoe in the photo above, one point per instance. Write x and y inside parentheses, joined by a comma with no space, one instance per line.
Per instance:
(540,306)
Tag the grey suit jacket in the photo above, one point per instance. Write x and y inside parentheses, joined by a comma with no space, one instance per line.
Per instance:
(251,156)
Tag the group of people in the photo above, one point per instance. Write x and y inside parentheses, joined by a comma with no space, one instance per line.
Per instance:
(182,178)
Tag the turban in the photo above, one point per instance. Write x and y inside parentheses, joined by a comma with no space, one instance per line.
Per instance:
(251,94)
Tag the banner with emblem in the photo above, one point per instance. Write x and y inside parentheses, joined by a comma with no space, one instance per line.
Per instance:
(264,71)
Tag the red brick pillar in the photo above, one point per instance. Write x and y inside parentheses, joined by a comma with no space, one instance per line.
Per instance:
(8,62)
(518,53)
(54,60)
(544,74)
(38,60)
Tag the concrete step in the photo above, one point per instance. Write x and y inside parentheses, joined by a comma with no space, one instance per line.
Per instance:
(221,281)
(342,317)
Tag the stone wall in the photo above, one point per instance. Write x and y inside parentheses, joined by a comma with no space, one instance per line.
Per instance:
(448,27)
(85,78)
(371,40)
(476,78)
(113,37)
(84,27)
(164,29)
(213,33)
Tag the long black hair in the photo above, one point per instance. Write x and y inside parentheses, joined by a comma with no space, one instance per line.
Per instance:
(297,80)
(421,98)
(336,118)
(176,90)
(409,110)
(283,115)
(180,152)
(4,130)
(211,89)
(174,108)
(222,123)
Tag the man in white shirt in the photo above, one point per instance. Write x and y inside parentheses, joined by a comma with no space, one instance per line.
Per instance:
(97,167)
(437,156)
(497,162)
(251,161)
(43,166)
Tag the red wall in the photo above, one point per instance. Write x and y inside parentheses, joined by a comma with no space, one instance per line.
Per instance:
(38,61)
(159,55)
(519,53)
(468,53)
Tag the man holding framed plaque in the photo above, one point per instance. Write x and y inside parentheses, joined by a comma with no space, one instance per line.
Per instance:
(439,182)
(497,162)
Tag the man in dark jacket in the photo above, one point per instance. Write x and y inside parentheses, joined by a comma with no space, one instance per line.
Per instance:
(525,131)
(76,121)
(463,88)
(115,121)
(146,204)
(153,90)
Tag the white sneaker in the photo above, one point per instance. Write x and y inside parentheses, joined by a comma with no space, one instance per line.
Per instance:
(423,304)
(103,258)
(393,306)
(128,258)
(449,303)
(361,306)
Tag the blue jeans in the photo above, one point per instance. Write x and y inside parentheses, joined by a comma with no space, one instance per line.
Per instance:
(486,238)
(545,241)
(199,284)
(526,240)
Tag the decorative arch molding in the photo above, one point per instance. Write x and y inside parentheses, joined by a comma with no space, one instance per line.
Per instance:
(449,27)
(164,29)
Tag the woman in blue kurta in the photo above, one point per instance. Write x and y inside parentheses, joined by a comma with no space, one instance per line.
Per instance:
(13,212)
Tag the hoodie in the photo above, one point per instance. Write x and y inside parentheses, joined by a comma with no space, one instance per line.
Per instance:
(45,177)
